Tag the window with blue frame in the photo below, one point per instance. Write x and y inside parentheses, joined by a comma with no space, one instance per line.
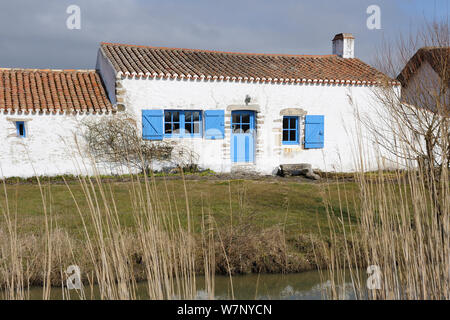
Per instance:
(241,122)
(20,126)
(290,130)
(182,123)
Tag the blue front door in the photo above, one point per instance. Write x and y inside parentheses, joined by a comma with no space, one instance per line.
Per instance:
(242,136)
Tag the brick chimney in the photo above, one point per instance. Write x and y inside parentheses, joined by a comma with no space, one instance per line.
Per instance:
(344,45)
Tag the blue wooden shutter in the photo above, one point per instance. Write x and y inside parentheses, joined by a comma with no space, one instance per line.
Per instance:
(214,124)
(152,124)
(314,132)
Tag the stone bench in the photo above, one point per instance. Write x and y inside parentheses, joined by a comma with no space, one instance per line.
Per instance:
(299,169)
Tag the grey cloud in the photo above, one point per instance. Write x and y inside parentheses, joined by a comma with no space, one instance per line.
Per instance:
(34,33)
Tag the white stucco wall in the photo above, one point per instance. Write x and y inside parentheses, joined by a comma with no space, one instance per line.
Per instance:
(336,102)
(49,147)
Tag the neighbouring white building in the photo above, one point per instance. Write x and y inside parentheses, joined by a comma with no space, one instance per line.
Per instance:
(40,118)
(425,77)
(235,111)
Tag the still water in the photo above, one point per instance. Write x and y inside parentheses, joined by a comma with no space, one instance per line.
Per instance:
(298,286)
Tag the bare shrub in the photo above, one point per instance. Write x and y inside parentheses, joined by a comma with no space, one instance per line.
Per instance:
(412,124)
(185,158)
(117,141)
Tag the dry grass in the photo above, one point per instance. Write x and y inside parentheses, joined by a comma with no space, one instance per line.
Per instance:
(398,226)
(401,228)
(155,243)
(159,249)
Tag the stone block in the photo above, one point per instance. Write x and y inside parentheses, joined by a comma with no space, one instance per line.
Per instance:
(300,169)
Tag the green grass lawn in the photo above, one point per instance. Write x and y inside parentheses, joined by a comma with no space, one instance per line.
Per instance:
(296,206)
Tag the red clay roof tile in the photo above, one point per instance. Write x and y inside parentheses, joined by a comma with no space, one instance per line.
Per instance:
(159,61)
(52,90)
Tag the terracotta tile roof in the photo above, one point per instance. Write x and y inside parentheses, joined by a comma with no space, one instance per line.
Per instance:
(204,64)
(437,57)
(52,90)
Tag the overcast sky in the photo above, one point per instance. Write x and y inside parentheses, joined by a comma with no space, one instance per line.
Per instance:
(33,33)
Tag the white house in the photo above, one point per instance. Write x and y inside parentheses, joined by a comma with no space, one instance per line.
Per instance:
(40,113)
(236,111)
(426,76)
(242,111)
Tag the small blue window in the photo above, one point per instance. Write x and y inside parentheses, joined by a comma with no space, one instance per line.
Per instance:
(180,123)
(290,130)
(20,126)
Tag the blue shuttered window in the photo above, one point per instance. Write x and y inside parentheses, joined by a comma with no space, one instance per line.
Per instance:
(157,124)
(152,124)
(214,124)
(182,123)
(314,132)
(290,130)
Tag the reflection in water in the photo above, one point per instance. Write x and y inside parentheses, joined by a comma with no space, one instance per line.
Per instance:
(298,286)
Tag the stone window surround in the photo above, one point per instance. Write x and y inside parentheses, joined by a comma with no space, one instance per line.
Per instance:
(18,119)
(298,112)
(249,107)
(293,112)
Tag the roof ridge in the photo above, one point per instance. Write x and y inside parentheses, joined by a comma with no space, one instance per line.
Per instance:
(434,47)
(225,52)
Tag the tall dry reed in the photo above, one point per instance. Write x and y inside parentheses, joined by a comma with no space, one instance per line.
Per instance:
(401,229)
(157,243)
